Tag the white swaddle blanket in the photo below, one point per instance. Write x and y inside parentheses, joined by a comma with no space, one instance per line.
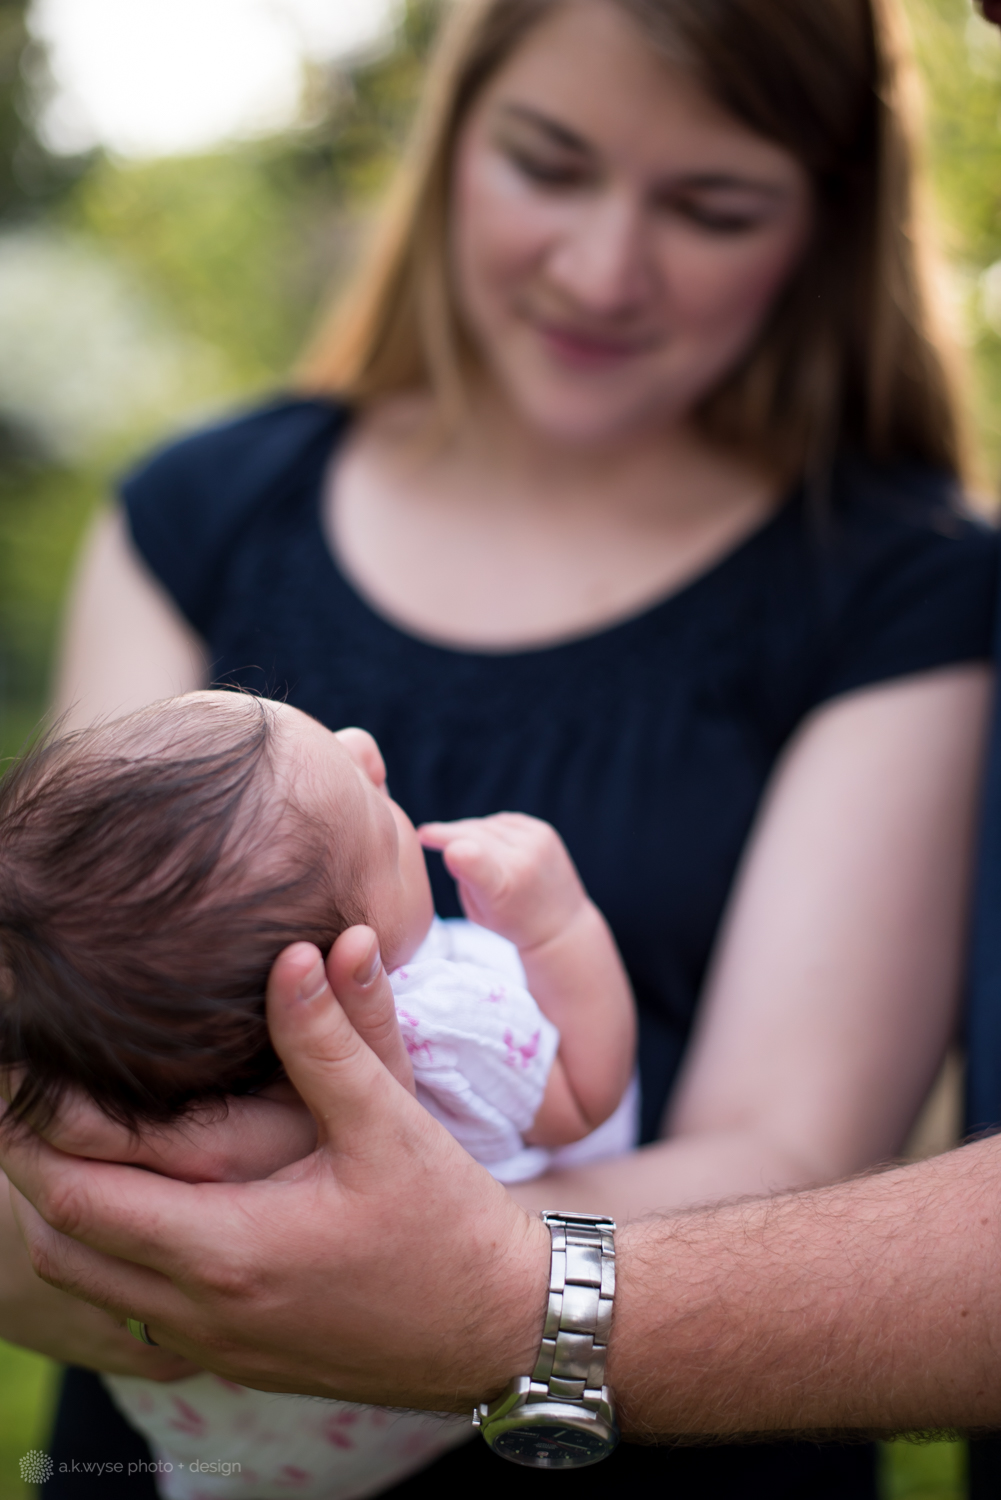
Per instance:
(481,1051)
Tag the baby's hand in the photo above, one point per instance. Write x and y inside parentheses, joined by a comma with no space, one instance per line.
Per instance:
(514,875)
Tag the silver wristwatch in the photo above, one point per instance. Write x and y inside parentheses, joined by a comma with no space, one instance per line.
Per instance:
(562,1415)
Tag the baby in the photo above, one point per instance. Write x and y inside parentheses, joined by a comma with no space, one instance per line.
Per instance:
(151,870)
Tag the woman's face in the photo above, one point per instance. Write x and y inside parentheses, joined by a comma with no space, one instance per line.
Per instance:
(618,238)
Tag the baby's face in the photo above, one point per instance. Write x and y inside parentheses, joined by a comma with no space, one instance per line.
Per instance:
(340,781)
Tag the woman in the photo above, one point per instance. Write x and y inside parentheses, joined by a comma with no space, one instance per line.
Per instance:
(622,495)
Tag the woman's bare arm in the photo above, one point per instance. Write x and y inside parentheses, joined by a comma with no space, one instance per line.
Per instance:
(834,989)
(125,642)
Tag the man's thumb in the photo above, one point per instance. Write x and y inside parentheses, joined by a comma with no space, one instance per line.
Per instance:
(337,1075)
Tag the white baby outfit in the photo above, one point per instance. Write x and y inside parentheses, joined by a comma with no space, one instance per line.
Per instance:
(482,1052)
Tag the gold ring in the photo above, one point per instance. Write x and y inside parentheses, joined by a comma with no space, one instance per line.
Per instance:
(141,1332)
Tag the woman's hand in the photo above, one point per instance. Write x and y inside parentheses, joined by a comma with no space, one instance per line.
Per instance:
(50,1322)
(386,1266)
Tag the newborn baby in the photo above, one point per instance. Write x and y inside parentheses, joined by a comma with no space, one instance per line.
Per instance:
(152,869)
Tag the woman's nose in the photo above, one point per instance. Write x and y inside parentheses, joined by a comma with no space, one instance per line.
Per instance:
(603,261)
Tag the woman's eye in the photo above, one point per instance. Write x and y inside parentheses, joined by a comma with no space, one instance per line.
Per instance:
(548,171)
(716,220)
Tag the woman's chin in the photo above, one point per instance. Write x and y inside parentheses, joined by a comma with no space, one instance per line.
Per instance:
(593,424)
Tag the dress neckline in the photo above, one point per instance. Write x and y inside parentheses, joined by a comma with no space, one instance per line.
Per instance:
(676,598)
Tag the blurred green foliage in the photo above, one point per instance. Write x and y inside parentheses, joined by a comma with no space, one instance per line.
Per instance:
(233,250)
(959,57)
(26,1384)
(30,176)
(923,1471)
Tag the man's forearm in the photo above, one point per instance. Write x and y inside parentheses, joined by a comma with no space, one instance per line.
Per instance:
(873,1305)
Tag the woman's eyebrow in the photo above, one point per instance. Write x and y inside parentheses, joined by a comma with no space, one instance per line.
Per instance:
(558,134)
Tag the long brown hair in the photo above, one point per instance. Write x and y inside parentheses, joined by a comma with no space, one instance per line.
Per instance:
(849,356)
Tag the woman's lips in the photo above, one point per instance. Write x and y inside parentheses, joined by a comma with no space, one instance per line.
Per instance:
(588,350)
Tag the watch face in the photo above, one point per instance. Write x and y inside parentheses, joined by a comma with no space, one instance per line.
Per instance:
(551,1446)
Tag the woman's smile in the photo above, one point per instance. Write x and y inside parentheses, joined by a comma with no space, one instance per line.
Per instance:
(580,348)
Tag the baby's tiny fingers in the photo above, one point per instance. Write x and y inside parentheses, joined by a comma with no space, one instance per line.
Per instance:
(472,864)
(437,835)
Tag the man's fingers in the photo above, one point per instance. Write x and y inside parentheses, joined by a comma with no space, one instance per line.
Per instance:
(115,1210)
(354,973)
(339,1077)
(361,984)
(81,1129)
(114,1285)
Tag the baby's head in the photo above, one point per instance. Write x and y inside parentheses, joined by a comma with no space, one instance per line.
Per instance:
(151,870)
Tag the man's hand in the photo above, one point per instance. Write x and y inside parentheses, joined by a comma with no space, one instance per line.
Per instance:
(39,1317)
(242,1139)
(514,875)
(385,1266)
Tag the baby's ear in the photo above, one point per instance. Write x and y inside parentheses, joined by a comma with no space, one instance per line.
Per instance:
(365,753)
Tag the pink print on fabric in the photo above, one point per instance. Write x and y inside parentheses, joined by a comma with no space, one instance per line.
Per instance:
(497,996)
(521,1056)
(188,1420)
(290,1475)
(413,1046)
(415,1445)
(333,1429)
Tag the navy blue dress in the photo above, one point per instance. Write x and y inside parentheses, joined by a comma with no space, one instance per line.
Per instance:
(647,744)
(983,1034)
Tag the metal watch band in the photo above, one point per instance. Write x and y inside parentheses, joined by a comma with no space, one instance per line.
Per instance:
(571,1363)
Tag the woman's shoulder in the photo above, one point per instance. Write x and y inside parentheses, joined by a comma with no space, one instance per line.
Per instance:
(907,528)
(894,504)
(231,463)
(910,575)
(187,501)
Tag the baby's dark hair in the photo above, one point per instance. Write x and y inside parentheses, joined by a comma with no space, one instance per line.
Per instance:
(150,872)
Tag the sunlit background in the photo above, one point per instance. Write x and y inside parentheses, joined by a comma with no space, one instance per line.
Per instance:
(168,77)
(181,181)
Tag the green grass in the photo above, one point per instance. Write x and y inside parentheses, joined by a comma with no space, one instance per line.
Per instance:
(923,1471)
(26,1385)
(911,1471)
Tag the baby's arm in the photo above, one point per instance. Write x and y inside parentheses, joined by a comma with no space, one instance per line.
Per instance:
(516,878)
